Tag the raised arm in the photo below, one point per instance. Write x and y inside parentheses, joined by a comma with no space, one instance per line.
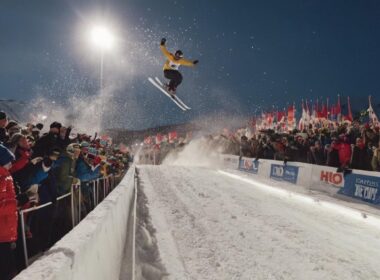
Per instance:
(164,49)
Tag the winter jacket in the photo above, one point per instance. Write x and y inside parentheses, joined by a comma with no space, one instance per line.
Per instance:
(318,156)
(32,174)
(8,208)
(333,158)
(171,63)
(85,172)
(45,145)
(22,159)
(64,173)
(344,150)
(360,158)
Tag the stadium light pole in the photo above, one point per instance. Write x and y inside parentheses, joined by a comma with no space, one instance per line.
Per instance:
(103,39)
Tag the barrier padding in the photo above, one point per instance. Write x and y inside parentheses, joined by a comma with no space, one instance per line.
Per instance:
(94,248)
(358,184)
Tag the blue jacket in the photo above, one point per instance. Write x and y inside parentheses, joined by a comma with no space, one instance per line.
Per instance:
(84,171)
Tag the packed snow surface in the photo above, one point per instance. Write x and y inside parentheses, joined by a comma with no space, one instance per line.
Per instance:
(211,226)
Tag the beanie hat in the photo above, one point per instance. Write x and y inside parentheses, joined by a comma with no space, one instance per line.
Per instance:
(72,147)
(56,125)
(6,156)
(39,126)
(11,124)
(84,144)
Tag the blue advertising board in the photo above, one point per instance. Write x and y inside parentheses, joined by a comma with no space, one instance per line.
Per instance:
(249,165)
(366,188)
(286,173)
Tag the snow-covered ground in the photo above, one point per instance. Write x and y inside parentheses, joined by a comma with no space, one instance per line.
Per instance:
(211,226)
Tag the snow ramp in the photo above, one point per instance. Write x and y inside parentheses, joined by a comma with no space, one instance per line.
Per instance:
(202,224)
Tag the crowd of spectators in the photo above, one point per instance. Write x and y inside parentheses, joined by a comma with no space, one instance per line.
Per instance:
(348,146)
(37,168)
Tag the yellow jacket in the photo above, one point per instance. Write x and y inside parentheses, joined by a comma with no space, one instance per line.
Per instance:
(171,63)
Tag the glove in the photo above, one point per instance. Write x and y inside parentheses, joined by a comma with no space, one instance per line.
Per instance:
(195,62)
(163,41)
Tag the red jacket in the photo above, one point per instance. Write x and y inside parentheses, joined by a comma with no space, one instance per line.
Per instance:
(344,153)
(21,162)
(8,208)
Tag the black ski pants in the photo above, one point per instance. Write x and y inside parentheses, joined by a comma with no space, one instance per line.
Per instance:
(175,78)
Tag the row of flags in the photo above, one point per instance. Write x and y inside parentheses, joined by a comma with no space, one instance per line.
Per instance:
(315,115)
(159,138)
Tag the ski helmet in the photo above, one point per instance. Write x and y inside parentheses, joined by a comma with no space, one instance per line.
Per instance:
(179,53)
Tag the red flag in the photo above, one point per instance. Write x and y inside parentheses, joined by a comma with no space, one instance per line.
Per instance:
(349,116)
(290,114)
(159,138)
(269,118)
(148,140)
(172,136)
(280,116)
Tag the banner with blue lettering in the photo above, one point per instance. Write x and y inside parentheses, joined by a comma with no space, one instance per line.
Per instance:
(249,165)
(286,173)
(366,188)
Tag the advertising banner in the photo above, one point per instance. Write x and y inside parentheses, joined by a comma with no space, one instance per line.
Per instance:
(366,188)
(324,175)
(249,165)
(284,173)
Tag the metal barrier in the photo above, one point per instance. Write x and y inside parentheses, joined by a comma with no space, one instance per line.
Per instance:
(108,184)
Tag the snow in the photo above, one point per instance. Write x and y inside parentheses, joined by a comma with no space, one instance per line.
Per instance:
(212,226)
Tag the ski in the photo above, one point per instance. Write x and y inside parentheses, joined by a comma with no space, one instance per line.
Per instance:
(176,97)
(157,85)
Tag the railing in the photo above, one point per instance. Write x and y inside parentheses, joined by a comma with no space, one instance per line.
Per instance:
(100,187)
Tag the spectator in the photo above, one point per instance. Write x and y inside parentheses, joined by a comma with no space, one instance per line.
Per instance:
(332,152)
(360,157)
(344,150)
(245,147)
(12,128)
(8,215)
(63,139)
(65,168)
(318,154)
(47,142)
(20,147)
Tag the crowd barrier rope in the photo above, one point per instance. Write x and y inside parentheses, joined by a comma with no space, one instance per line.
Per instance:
(107,183)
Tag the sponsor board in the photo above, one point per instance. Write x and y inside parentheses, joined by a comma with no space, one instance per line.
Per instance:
(249,165)
(331,178)
(286,173)
(366,188)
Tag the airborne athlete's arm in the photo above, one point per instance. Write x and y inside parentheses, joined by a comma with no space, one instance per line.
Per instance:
(185,62)
(166,52)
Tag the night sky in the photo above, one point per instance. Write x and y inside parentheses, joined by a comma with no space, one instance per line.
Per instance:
(254,55)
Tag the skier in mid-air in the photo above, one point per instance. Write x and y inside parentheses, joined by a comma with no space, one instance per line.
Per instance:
(171,67)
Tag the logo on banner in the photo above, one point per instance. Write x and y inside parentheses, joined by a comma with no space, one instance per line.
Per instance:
(366,188)
(249,165)
(331,178)
(284,173)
